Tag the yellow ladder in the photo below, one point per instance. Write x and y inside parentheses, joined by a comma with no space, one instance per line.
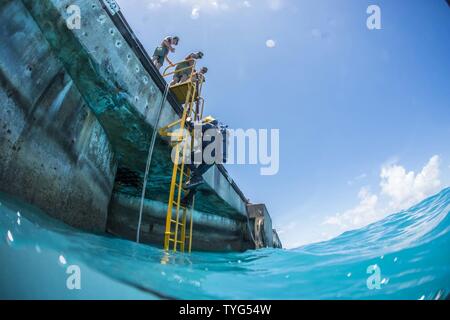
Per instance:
(176,233)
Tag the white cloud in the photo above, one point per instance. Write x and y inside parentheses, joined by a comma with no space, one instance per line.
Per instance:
(400,189)
(153,5)
(271,43)
(195,14)
(365,212)
(407,188)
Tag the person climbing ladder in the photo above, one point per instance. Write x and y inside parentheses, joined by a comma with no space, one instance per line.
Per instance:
(211,131)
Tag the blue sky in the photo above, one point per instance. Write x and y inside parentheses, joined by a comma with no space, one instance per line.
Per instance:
(364,116)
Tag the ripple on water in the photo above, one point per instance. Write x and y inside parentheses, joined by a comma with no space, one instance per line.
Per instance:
(9,236)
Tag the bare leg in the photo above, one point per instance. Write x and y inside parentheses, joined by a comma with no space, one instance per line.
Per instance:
(156,63)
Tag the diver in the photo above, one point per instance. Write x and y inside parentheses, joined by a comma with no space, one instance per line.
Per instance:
(211,130)
(162,52)
(184,69)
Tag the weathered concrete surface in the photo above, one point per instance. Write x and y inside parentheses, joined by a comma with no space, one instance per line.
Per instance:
(211,232)
(276,240)
(124,98)
(261,225)
(53,151)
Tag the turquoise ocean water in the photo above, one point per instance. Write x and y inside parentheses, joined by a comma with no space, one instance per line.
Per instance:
(405,256)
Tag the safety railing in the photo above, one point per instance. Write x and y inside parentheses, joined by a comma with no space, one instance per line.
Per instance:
(168,73)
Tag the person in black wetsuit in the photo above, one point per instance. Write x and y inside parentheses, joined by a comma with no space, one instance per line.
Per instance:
(211,130)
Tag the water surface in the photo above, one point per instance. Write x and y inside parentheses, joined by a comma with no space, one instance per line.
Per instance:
(410,249)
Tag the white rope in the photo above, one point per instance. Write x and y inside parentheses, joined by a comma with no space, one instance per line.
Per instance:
(149,161)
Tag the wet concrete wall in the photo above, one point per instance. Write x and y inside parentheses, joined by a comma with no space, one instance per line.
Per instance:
(261,225)
(276,240)
(211,232)
(53,151)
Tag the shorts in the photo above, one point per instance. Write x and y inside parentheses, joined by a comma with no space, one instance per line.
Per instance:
(160,54)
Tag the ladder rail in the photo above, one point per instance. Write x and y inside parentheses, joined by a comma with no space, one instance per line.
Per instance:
(191,225)
(183,230)
(178,181)
(170,204)
(177,210)
(167,73)
(180,191)
(179,186)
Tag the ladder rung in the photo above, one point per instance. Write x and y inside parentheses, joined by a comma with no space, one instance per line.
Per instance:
(184,173)
(182,189)
(176,203)
(187,176)
(178,241)
(179,223)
